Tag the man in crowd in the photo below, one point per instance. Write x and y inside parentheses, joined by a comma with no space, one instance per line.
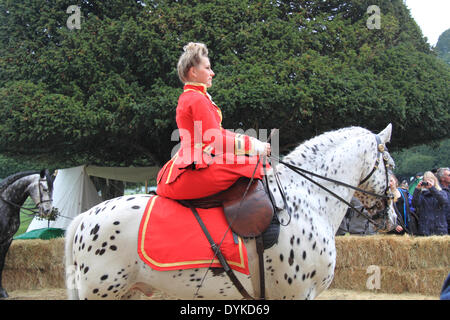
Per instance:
(443,175)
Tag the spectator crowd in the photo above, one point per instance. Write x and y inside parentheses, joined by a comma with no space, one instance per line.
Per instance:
(422,206)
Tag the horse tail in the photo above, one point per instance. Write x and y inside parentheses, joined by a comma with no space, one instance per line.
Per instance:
(71,281)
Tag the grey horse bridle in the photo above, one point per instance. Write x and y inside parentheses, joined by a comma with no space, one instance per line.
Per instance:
(37,206)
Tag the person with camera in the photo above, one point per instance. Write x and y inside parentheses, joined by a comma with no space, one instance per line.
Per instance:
(430,203)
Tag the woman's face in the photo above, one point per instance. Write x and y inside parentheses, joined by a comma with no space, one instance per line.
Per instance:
(392,182)
(202,72)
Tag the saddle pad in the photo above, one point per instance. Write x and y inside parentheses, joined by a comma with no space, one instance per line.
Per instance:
(170,238)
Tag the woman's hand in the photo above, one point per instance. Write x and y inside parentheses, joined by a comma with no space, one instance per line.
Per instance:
(268,150)
(427,184)
(262,148)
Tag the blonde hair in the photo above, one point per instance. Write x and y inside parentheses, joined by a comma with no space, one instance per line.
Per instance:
(430,176)
(191,56)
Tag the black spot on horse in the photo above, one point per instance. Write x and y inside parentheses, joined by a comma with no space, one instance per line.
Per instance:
(135,207)
(95,229)
(104,277)
(291,257)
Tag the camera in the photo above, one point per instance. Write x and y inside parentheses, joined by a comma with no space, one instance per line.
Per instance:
(425,184)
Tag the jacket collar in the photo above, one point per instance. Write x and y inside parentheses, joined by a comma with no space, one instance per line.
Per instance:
(196,86)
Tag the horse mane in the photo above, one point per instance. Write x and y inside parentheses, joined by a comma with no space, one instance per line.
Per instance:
(325,140)
(14,177)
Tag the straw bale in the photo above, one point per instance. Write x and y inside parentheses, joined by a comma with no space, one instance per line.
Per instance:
(402,252)
(33,264)
(35,254)
(392,280)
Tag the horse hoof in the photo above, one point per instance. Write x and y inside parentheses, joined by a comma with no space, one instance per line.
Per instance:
(3,294)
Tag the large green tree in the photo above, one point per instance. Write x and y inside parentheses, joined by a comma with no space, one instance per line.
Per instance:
(107,93)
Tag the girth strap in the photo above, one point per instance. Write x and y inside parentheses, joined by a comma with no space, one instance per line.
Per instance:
(262,282)
(220,256)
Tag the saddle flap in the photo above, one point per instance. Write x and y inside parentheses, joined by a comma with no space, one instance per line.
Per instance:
(249,216)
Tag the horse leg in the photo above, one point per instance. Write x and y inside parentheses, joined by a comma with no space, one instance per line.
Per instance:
(3,250)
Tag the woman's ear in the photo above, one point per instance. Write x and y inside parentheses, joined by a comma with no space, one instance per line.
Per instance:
(192,74)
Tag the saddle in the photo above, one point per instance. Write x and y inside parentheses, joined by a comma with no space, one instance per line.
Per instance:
(249,213)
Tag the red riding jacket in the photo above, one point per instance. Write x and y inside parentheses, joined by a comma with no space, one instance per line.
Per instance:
(203,140)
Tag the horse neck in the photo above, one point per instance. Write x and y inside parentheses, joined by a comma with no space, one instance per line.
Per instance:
(346,159)
(17,192)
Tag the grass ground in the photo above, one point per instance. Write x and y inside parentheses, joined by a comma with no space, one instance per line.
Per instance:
(25,219)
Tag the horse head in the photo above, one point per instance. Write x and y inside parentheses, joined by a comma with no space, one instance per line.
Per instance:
(41,192)
(379,201)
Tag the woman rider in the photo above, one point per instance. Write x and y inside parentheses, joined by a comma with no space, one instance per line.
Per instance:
(210,158)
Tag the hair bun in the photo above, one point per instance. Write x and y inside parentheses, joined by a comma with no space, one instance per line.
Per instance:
(192,46)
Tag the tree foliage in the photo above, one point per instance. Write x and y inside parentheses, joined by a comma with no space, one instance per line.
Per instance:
(422,158)
(107,93)
(443,46)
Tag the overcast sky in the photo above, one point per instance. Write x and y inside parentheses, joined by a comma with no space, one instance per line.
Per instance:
(432,16)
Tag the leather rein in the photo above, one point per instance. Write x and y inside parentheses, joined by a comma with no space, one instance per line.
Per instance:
(302,172)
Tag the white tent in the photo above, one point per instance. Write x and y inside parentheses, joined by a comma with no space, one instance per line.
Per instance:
(75,193)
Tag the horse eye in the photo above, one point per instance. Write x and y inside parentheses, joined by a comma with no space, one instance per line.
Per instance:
(45,189)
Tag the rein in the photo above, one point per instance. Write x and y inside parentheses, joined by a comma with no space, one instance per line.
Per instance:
(32,210)
(303,172)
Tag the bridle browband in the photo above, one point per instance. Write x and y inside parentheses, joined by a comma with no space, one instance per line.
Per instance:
(302,172)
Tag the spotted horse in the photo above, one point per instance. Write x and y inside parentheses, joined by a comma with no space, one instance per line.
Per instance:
(101,253)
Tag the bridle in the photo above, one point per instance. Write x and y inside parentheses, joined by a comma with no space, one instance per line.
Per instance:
(40,194)
(32,211)
(387,196)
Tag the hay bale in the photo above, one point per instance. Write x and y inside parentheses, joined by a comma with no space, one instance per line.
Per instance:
(402,252)
(406,264)
(35,254)
(33,264)
(392,280)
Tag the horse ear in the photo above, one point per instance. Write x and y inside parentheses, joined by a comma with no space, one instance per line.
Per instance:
(385,135)
(43,173)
